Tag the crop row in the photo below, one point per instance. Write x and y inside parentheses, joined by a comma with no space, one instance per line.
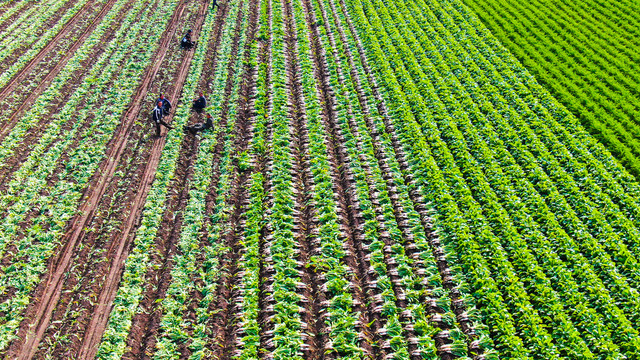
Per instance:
(590,66)
(483,170)
(55,204)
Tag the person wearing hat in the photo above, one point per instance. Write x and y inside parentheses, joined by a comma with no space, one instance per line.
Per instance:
(208,124)
(186,42)
(157,114)
(166,104)
(200,103)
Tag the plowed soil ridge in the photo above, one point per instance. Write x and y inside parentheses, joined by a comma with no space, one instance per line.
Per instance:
(54,282)
(458,306)
(20,76)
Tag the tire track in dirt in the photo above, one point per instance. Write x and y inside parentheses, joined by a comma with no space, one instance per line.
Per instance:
(96,328)
(36,326)
(351,227)
(458,306)
(20,76)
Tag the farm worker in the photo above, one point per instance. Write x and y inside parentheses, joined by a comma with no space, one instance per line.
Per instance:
(208,124)
(166,104)
(200,103)
(157,114)
(186,42)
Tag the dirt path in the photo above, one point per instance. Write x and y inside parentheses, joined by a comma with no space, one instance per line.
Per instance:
(20,76)
(55,279)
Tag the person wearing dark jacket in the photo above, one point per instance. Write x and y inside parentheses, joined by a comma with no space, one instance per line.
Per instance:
(157,115)
(186,42)
(208,124)
(166,104)
(215,3)
(200,103)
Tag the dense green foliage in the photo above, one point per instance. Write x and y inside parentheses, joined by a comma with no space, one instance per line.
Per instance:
(587,53)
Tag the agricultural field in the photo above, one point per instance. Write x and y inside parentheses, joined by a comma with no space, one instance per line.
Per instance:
(383,180)
(587,53)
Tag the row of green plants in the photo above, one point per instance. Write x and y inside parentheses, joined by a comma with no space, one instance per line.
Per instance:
(255,226)
(52,206)
(444,131)
(385,296)
(139,261)
(591,75)
(284,329)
